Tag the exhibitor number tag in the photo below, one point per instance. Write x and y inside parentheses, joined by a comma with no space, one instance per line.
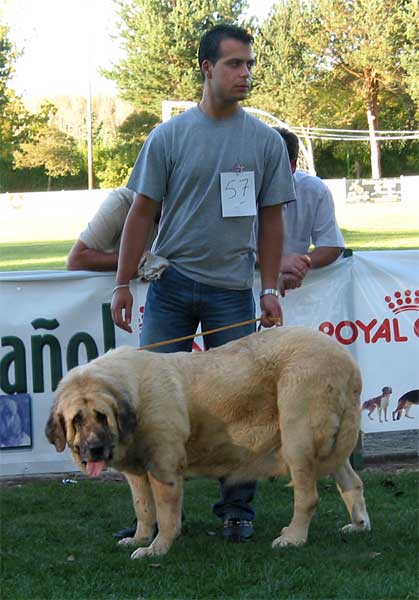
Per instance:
(238,197)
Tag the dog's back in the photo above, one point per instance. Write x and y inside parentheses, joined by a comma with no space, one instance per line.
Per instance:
(247,396)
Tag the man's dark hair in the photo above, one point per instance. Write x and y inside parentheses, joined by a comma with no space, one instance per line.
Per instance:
(209,47)
(291,141)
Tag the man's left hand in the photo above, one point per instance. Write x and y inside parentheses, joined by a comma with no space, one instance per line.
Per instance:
(296,264)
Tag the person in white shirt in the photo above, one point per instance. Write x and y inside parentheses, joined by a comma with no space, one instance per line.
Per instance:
(309,221)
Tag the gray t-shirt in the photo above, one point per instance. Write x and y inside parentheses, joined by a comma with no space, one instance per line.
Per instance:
(180,165)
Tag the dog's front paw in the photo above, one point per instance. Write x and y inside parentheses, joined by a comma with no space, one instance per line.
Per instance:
(132,541)
(289,538)
(127,542)
(357,527)
(152,550)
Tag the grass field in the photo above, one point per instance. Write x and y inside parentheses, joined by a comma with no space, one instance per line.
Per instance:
(56,544)
(35,256)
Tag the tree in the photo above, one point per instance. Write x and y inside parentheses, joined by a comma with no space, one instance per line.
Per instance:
(53,150)
(14,118)
(289,80)
(324,61)
(114,162)
(365,42)
(410,55)
(160,39)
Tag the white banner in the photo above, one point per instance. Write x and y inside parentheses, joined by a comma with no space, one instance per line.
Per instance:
(51,321)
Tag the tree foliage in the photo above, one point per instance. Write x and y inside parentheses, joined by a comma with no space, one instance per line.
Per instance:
(319,64)
(52,149)
(410,54)
(115,161)
(14,118)
(160,39)
(325,63)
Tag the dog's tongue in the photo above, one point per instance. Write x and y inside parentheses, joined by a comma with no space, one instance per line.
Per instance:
(94,469)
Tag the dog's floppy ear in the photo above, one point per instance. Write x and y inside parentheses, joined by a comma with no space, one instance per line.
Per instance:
(125,417)
(55,430)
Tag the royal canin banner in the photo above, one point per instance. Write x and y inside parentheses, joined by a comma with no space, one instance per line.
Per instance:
(52,321)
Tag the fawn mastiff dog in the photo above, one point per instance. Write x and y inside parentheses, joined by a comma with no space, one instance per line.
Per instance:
(285,400)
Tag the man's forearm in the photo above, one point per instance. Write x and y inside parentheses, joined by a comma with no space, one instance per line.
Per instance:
(92,260)
(137,226)
(324,255)
(270,242)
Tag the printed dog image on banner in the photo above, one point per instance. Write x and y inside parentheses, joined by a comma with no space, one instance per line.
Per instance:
(379,403)
(15,421)
(405,403)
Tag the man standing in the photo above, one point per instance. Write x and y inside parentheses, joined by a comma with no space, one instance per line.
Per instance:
(309,220)
(215,170)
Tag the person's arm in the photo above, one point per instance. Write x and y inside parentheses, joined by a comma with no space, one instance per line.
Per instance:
(83,258)
(270,242)
(326,236)
(323,256)
(140,220)
(296,265)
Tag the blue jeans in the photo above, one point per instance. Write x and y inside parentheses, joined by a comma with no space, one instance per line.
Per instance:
(175,305)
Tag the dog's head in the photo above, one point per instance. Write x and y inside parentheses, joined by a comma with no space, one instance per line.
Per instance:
(93,416)
(387,390)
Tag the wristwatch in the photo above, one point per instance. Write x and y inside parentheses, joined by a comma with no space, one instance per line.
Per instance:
(268,291)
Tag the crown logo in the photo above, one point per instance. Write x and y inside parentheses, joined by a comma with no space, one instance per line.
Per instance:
(403,301)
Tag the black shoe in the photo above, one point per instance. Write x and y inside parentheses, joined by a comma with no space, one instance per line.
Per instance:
(130,531)
(127,532)
(237,530)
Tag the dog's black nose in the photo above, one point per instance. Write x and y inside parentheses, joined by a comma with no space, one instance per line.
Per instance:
(97,451)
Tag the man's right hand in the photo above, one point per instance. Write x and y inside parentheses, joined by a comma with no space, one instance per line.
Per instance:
(121,308)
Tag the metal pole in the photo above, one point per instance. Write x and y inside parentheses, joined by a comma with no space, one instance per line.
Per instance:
(89,137)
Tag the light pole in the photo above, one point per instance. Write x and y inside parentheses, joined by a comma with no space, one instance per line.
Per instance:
(90,181)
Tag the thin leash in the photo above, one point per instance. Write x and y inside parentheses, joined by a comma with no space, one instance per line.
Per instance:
(275,320)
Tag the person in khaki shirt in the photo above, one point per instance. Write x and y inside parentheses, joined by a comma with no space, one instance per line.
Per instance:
(97,248)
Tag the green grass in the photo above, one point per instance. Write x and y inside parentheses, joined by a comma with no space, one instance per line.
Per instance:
(56,543)
(35,256)
(374,239)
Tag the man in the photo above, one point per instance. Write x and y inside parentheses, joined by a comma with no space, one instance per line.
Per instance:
(97,247)
(214,170)
(309,220)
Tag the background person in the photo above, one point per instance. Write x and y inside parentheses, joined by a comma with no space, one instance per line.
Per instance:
(97,247)
(212,160)
(310,220)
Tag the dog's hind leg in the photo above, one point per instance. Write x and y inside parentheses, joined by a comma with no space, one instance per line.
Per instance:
(142,498)
(407,408)
(351,489)
(168,499)
(305,502)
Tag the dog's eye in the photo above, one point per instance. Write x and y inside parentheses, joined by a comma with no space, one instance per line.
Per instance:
(101,418)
